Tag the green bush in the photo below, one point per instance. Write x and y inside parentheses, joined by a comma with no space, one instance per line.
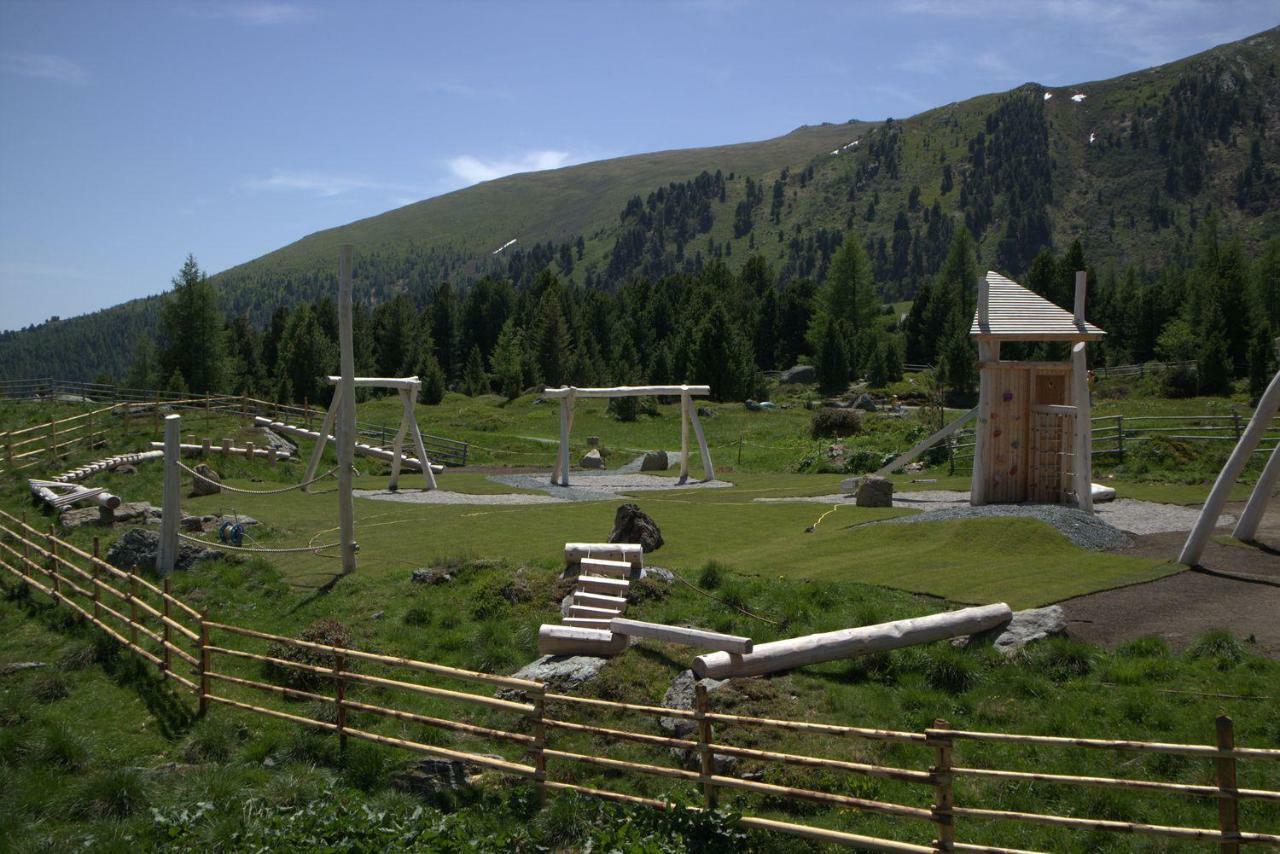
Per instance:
(711,575)
(1219,645)
(829,422)
(950,671)
(325,632)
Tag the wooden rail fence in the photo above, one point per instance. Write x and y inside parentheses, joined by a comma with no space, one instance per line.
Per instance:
(348,691)
(41,443)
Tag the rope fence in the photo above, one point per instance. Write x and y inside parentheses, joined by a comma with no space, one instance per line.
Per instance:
(226,487)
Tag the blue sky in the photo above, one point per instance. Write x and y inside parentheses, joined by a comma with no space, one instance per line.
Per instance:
(134,133)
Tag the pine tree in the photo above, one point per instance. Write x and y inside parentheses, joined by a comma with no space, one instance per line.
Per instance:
(721,357)
(177,385)
(433,381)
(1213,356)
(552,341)
(144,371)
(831,358)
(246,358)
(1262,361)
(307,356)
(957,361)
(508,360)
(475,381)
(192,324)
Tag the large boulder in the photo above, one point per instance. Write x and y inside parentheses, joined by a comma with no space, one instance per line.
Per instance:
(799,374)
(1023,628)
(592,459)
(432,575)
(563,674)
(874,492)
(655,461)
(633,525)
(138,548)
(865,403)
(207,483)
(680,696)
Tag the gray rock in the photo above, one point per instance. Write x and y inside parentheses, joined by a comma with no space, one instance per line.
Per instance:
(751,405)
(280,443)
(431,777)
(633,525)
(658,573)
(706,412)
(138,548)
(125,468)
(131,511)
(874,492)
(561,673)
(680,696)
(431,575)
(865,403)
(202,485)
(592,459)
(82,516)
(1030,625)
(799,374)
(655,461)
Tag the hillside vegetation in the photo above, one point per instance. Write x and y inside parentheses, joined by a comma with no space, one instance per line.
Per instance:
(1130,167)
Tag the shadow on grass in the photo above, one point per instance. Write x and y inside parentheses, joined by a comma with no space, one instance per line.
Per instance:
(173,715)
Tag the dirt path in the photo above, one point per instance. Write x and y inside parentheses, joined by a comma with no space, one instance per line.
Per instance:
(1182,607)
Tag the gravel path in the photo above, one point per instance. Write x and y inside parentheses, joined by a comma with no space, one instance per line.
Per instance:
(442,496)
(602,486)
(1124,514)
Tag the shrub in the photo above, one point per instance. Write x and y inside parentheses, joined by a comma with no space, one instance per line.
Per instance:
(830,422)
(950,671)
(711,576)
(326,632)
(1220,645)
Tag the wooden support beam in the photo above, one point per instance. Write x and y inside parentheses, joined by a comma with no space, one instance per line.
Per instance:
(601,554)
(593,612)
(346,431)
(628,391)
(571,640)
(679,634)
(1082,464)
(1247,528)
(928,443)
(171,508)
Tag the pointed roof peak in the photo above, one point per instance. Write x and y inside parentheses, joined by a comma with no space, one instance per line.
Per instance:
(1015,313)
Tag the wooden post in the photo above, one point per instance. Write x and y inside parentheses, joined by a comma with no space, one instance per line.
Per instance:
(326,429)
(250,450)
(1120,436)
(127,406)
(1082,463)
(339,696)
(271,455)
(1228,802)
(167,662)
(97,581)
(167,554)
(707,759)
(207,416)
(684,437)
(1235,423)
(307,413)
(943,795)
(708,469)
(226,446)
(409,397)
(8,452)
(538,747)
(347,421)
(988,351)
(206,447)
(202,670)
(131,596)
(53,438)
(53,564)
(155,414)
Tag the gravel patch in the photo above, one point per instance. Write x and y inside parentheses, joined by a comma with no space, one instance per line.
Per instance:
(1148,517)
(602,486)
(1082,529)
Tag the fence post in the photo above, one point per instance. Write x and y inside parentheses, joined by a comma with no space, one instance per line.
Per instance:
(249,450)
(166,661)
(97,582)
(155,414)
(226,446)
(1228,803)
(127,406)
(207,416)
(537,749)
(1235,423)
(1120,436)
(8,451)
(706,757)
(202,672)
(53,564)
(132,598)
(339,695)
(943,796)
(53,439)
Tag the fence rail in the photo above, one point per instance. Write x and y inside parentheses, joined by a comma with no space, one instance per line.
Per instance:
(17,447)
(205,659)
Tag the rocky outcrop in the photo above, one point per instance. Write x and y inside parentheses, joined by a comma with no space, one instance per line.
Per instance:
(207,483)
(138,548)
(799,374)
(563,674)
(1025,627)
(655,461)
(592,459)
(633,525)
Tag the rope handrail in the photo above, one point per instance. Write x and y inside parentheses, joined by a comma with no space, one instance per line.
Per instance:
(222,485)
(261,549)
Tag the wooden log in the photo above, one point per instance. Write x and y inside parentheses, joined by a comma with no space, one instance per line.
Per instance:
(598,600)
(587,623)
(630,553)
(1082,464)
(171,506)
(603,585)
(926,444)
(569,640)
(592,611)
(848,643)
(249,450)
(361,449)
(1247,527)
(402,383)
(681,635)
(629,391)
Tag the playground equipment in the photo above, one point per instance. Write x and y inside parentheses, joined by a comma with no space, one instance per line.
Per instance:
(1032,437)
(1247,526)
(848,643)
(343,402)
(688,415)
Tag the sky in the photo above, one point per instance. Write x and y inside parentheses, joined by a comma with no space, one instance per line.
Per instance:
(132,134)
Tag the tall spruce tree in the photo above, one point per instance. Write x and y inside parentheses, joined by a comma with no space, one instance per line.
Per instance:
(192,324)
(508,360)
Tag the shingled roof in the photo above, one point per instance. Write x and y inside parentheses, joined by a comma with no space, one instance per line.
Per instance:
(1017,314)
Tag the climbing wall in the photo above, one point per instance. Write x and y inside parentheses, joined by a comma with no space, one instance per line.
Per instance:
(1007,434)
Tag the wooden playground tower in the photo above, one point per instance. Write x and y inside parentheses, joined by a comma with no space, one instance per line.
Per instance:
(1032,437)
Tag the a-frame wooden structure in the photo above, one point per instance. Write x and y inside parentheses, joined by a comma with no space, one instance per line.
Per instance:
(1032,436)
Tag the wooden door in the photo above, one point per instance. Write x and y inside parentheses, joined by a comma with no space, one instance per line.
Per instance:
(1052,458)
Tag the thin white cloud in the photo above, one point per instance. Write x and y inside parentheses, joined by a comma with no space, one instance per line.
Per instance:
(472,170)
(255,14)
(464,90)
(44,66)
(323,184)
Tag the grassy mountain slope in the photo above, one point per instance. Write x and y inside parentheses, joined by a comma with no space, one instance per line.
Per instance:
(1129,169)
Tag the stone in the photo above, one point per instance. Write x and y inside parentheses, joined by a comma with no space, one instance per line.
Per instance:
(125,468)
(874,492)
(865,403)
(751,405)
(192,524)
(201,486)
(431,575)
(431,777)
(1025,627)
(560,673)
(131,511)
(82,516)
(593,441)
(280,443)
(565,604)
(138,548)
(1102,493)
(633,525)
(706,412)
(680,696)
(799,374)
(657,573)
(592,460)
(655,461)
